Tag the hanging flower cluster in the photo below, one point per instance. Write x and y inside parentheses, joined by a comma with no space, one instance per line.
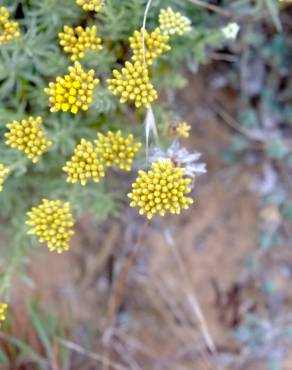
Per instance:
(3,309)
(4,171)
(113,148)
(8,29)
(173,23)
(28,137)
(84,164)
(52,223)
(133,84)
(161,190)
(155,43)
(77,41)
(91,5)
(73,91)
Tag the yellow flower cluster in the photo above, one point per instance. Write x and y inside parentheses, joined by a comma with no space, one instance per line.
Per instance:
(155,43)
(8,29)
(116,149)
(77,41)
(90,5)
(3,309)
(84,164)
(161,189)
(182,129)
(4,171)
(73,91)
(133,84)
(27,136)
(173,23)
(52,223)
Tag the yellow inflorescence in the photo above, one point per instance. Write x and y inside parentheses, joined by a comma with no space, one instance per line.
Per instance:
(27,136)
(4,171)
(84,164)
(8,29)
(52,223)
(155,43)
(172,23)
(116,149)
(182,129)
(133,84)
(161,189)
(77,41)
(73,91)
(3,309)
(90,5)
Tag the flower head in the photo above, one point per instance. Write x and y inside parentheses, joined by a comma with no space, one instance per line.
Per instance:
(27,136)
(52,223)
(73,91)
(133,84)
(77,41)
(155,45)
(114,148)
(180,157)
(8,29)
(84,164)
(4,171)
(230,31)
(3,309)
(182,129)
(161,190)
(172,23)
(90,5)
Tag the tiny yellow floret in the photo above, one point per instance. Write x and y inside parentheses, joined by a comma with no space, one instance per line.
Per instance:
(155,44)
(133,84)
(161,190)
(28,137)
(173,23)
(4,171)
(91,5)
(117,149)
(72,91)
(52,223)
(8,29)
(77,41)
(3,309)
(84,164)
(182,129)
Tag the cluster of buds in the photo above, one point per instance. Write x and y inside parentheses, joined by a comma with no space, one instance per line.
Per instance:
(90,5)
(154,43)
(73,91)
(77,41)
(161,189)
(52,223)
(84,164)
(28,137)
(173,23)
(3,309)
(8,29)
(4,171)
(114,148)
(133,84)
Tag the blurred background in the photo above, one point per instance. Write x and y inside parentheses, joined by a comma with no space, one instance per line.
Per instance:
(210,289)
